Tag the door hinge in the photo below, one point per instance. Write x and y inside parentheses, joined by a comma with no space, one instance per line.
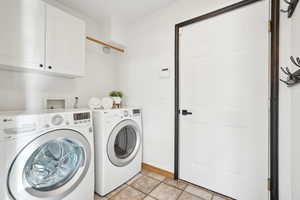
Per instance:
(270,26)
(269,184)
(180,32)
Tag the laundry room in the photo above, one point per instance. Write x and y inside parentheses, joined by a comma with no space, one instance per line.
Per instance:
(149,99)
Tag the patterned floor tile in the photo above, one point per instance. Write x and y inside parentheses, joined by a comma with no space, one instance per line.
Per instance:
(149,198)
(200,192)
(176,183)
(134,179)
(129,194)
(145,184)
(149,182)
(165,192)
(217,197)
(122,187)
(188,196)
(153,175)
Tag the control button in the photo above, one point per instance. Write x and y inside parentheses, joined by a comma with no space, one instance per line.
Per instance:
(126,113)
(67,123)
(47,126)
(57,120)
(90,129)
(7,120)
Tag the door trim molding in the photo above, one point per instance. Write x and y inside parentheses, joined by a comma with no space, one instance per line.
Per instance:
(274,87)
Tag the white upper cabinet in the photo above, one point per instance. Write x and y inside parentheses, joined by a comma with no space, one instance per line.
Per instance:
(22,34)
(35,36)
(65,43)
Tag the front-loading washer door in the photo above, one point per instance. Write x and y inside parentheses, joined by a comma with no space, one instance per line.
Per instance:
(124,143)
(50,167)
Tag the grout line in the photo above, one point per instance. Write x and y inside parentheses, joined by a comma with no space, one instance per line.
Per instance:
(139,191)
(179,194)
(208,190)
(142,191)
(156,187)
(134,180)
(201,198)
(176,187)
(151,197)
(118,191)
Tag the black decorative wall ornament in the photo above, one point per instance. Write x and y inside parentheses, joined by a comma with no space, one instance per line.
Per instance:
(292,4)
(293,78)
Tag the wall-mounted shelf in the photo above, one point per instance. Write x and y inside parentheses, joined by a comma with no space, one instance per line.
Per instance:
(105,44)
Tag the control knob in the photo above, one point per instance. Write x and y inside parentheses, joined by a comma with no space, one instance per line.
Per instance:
(126,114)
(57,120)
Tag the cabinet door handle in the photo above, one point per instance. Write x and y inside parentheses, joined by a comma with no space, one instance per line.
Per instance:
(49,67)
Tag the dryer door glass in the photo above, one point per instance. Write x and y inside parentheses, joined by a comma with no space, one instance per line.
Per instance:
(53,164)
(125,142)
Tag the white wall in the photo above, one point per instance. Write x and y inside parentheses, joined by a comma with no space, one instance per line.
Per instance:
(289,138)
(284,114)
(150,46)
(295,109)
(20,91)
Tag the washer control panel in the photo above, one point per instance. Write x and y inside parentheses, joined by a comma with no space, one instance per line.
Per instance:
(126,113)
(57,120)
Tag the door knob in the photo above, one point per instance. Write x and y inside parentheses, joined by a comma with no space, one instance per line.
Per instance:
(186,112)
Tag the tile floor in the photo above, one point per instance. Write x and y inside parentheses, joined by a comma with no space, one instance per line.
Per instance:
(151,186)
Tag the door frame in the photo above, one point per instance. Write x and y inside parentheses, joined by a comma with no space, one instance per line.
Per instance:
(274,87)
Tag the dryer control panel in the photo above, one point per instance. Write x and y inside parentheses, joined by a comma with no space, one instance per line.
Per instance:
(81,117)
(136,112)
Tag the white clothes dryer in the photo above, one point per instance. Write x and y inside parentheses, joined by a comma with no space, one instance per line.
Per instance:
(47,156)
(118,147)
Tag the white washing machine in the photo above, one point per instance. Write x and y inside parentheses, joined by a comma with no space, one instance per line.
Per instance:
(47,156)
(118,147)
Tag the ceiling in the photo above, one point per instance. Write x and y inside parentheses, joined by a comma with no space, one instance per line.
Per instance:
(127,10)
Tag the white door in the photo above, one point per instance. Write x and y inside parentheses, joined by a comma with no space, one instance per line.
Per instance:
(65,43)
(224,84)
(22,35)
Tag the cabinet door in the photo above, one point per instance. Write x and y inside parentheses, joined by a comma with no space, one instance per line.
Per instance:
(65,43)
(22,35)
